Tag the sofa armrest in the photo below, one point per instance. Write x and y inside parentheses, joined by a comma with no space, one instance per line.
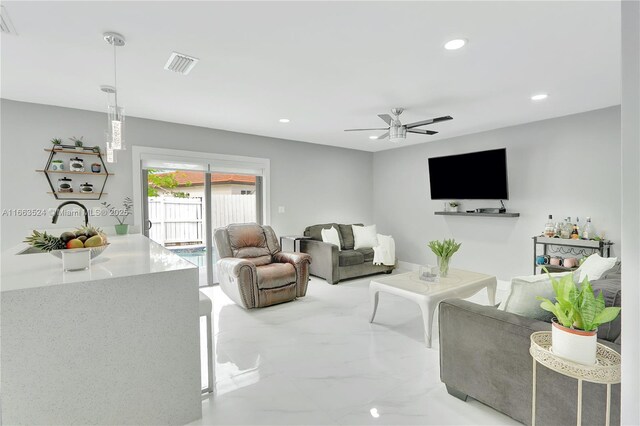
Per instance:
(300,262)
(239,280)
(484,353)
(325,259)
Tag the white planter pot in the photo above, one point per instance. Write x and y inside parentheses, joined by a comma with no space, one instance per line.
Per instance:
(574,345)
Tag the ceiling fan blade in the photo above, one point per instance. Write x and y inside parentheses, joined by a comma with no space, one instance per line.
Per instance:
(430,121)
(387,118)
(421,132)
(386,135)
(362,130)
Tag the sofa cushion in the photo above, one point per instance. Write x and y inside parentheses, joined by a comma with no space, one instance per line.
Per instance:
(350,258)
(595,266)
(347,236)
(331,236)
(521,299)
(612,292)
(275,275)
(315,231)
(367,253)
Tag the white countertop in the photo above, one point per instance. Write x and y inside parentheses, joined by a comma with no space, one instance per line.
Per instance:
(127,255)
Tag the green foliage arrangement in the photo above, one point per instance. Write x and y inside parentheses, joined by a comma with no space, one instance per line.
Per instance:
(77,141)
(578,307)
(56,141)
(120,214)
(164,182)
(444,248)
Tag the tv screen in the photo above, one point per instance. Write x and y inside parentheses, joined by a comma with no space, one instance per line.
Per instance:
(473,176)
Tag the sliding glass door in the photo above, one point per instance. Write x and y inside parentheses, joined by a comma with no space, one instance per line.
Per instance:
(235,198)
(175,214)
(182,208)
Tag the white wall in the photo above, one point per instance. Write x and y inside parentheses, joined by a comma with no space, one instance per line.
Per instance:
(315,183)
(568,166)
(631,212)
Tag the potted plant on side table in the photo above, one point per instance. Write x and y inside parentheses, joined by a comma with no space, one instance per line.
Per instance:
(578,314)
(120,215)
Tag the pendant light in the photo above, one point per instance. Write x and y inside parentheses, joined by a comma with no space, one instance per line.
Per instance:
(114,134)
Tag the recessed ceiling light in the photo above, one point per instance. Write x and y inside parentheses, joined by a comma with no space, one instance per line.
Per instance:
(373,137)
(284,120)
(539,97)
(455,44)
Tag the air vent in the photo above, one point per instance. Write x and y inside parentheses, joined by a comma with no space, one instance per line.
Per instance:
(182,64)
(6,27)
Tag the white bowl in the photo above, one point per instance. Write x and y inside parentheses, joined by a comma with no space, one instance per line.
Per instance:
(95,251)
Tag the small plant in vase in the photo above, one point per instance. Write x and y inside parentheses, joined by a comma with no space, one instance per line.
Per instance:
(444,250)
(578,314)
(453,206)
(120,214)
(56,142)
(78,143)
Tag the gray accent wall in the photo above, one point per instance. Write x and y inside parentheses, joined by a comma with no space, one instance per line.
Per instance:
(567,166)
(315,183)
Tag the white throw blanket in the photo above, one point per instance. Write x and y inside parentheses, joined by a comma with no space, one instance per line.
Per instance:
(385,252)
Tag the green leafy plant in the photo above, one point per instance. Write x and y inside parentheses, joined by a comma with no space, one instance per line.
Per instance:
(578,307)
(120,214)
(444,248)
(454,204)
(77,141)
(164,182)
(56,141)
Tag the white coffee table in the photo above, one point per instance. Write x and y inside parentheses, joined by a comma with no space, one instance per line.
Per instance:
(427,295)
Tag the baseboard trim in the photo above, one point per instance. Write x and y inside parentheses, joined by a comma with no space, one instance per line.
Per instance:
(409,266)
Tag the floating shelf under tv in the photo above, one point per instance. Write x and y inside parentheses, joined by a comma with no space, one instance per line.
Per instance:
(508,214)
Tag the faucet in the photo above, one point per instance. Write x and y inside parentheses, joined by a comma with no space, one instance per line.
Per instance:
(57,213)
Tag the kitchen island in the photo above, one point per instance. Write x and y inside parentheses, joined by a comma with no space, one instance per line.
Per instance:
(115,344)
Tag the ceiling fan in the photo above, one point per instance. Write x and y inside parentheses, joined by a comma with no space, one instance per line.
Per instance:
(397,132)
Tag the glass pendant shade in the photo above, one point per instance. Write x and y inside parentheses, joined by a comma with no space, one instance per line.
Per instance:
(115,117)
(110,154)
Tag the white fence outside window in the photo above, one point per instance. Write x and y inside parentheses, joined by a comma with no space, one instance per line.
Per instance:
(180,221)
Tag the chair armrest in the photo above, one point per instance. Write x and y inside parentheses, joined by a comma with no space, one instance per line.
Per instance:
(293,258)
(300,262)
(239,280)
(325,259)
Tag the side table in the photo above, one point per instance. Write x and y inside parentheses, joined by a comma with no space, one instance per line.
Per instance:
(295,239)
(605,371)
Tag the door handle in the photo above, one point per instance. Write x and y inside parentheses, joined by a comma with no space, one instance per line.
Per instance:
(149,224)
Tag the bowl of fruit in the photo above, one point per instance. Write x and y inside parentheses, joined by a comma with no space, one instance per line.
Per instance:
(86,237)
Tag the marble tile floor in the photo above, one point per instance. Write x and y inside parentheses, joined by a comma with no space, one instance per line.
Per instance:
(318,361)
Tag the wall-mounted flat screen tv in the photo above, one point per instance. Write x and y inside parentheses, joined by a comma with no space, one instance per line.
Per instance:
(473,176)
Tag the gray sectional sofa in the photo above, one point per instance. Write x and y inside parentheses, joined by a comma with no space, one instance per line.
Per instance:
(335,264)
(484,354)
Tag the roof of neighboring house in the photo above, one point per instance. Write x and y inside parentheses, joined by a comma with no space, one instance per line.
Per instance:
(191,178)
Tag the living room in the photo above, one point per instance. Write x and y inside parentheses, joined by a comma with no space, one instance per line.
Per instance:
(270,90)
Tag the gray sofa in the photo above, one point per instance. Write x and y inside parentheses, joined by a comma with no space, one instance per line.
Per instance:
(484,354)
(335,264)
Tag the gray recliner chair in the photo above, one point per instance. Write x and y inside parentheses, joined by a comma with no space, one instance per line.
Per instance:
(253,271)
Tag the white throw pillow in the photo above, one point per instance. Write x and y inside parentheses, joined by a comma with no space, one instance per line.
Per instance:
(523,291)
(594,266)
(331,236)
(364,236)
